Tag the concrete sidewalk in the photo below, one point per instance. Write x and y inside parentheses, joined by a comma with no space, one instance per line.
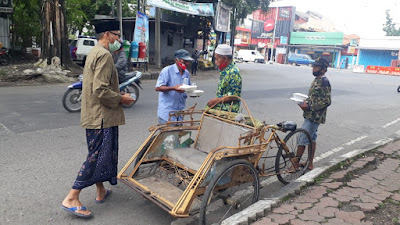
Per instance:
(356,191)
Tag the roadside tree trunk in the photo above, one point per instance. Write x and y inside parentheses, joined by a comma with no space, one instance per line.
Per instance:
(55,33)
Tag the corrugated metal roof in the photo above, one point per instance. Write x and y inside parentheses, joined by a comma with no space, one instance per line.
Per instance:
(5,32)
(382,43)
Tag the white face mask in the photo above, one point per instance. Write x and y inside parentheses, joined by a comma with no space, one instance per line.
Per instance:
(114,47)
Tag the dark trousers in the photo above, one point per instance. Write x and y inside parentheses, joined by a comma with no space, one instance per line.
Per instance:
(194,68)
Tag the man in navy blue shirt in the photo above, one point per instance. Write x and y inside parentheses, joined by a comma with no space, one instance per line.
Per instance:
(171,97)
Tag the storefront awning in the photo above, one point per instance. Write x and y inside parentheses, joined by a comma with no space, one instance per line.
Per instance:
(318,47)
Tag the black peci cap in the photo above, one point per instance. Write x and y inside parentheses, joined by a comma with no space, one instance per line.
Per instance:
(106,25)
(321,62)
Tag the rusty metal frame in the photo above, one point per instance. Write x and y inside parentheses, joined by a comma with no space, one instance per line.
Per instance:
(247,148)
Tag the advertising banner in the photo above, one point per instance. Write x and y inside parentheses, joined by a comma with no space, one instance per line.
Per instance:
(315,38)
(141,33)
(384,70)
(257,30)
(358,68)
(223,18)
(265,29)
(198,9)
(264,24)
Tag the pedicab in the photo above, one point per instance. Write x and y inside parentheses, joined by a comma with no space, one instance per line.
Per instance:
(210,162)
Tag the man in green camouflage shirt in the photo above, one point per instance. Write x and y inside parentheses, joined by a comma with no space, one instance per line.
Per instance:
(315,107)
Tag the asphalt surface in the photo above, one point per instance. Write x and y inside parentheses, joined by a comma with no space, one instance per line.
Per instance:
(42,145)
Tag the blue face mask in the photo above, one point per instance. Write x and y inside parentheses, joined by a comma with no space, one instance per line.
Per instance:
(114,47)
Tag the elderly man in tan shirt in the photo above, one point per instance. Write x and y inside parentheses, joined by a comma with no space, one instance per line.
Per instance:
(101,115)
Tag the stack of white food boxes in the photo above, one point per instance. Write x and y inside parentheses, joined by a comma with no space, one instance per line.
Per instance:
(191,90)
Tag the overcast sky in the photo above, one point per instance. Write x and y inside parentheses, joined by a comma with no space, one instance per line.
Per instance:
(362,17)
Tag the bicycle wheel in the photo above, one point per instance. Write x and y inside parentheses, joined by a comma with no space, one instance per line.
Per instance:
(227,194)
(284,167)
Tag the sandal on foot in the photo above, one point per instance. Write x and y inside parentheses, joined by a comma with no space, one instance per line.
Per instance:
(304,165)
(74,209)
(108,192)
(290,170)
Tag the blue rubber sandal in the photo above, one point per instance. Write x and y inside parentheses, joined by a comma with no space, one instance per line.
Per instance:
(108,192)
(73,209)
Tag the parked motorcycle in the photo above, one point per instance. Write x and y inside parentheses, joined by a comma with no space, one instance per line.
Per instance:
(73,96)
(5,58)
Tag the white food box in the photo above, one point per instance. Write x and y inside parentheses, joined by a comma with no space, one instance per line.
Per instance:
(298,97)
(195,93)
(188,88)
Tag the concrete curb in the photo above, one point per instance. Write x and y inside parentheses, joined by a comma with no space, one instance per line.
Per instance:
(263,206)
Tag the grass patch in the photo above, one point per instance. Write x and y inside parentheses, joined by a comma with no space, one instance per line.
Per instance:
(394,202)
(321,178)
(286,198)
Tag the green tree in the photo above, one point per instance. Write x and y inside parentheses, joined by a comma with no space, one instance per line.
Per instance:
(390,27)
(243,8)
(25,23)
(78,13)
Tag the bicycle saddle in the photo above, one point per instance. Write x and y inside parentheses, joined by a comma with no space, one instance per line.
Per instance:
(288,125)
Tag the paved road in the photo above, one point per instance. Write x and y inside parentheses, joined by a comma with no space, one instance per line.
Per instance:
(42,145)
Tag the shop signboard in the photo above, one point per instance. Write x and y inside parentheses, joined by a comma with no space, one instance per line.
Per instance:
(198,9)
(353,42)
(222,18)
(284,40)
(284,13)
(351,49)
(6,6)
(316,38)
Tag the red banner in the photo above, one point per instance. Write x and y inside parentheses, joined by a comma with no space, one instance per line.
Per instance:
(383,70)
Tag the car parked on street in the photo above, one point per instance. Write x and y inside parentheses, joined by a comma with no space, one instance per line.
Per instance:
(250,56)
(80,48)
(300,59)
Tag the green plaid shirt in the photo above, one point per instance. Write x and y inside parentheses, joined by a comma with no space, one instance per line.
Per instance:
(230,83)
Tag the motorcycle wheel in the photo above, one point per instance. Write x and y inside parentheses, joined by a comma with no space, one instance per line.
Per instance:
(398,89)
(72,100)
(4,60)
(134,92)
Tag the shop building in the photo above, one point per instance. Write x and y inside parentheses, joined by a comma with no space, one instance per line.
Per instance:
(347,57)
(270,31)
(242,38)
(5,15)
(378,51)
(317,44)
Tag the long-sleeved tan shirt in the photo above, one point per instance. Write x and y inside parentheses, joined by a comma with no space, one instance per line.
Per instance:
(100,92)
